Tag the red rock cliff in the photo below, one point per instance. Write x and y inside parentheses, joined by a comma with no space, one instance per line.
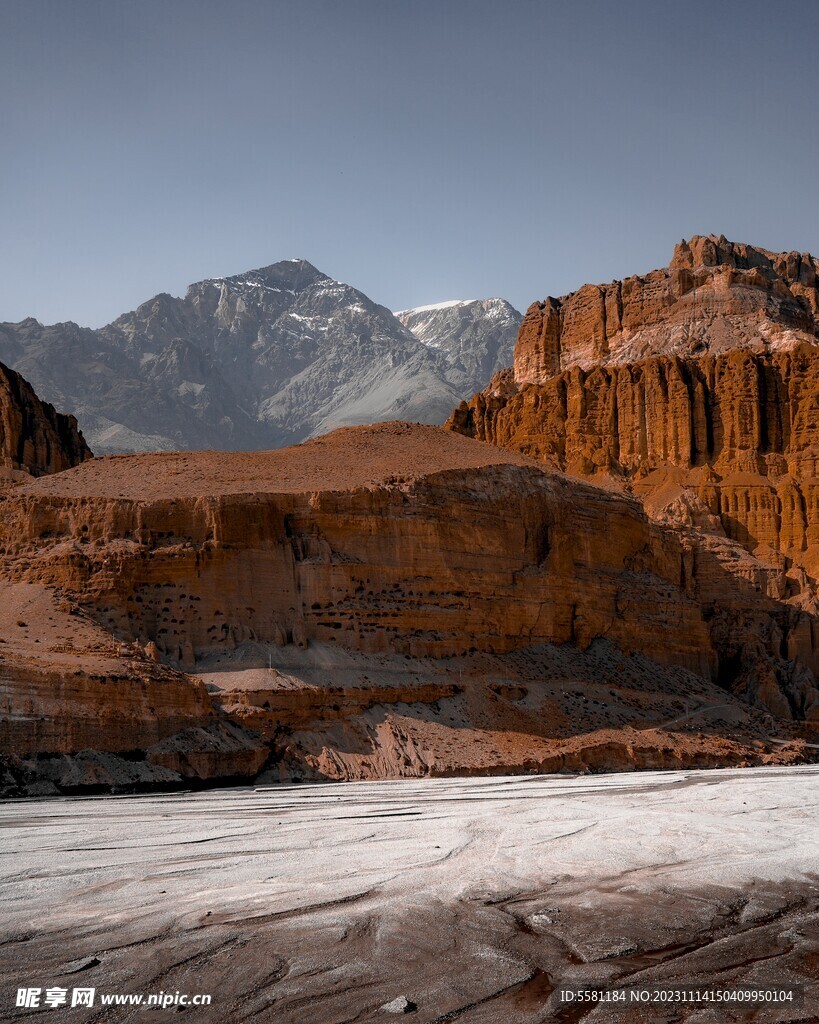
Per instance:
(467,548)
(713,296)
(34,438)
(383,600)
(742,428)
(696,389)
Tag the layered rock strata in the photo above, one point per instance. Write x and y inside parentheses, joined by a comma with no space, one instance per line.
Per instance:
(480,549)
(80,708)
(405,600)
(740,428)
(359,605)
(714,295)
(717,436)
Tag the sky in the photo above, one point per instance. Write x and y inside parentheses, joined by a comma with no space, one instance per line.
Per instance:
(418,150)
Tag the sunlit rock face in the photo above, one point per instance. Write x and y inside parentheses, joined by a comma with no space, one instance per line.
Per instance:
(715,295)
(421,543)
(352,604)
(740,428)
(694,388)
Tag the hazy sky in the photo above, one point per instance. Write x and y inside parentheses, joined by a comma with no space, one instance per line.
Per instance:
(417,150)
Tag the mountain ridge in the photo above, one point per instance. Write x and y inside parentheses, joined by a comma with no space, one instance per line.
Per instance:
(259,359)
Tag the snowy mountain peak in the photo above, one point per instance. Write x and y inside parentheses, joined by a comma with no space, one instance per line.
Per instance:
(452,304)
(476,335)
(260,359)
(435,305)
(286,275)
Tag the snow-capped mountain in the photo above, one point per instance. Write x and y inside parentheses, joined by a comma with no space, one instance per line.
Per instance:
(476,335)
(258,360)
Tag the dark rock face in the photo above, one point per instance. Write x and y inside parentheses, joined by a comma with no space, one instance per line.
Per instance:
(259,360)
(34,437)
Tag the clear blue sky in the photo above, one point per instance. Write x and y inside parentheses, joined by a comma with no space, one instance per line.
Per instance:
(418,150)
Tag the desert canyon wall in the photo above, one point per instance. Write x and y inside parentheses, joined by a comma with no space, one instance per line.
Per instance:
(696,390)
(714,296)
(476,548)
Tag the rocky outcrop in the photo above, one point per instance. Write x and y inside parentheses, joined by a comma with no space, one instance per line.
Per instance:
(393,600)
(714,295)
(717,436)
(740,428)
(34,438)
(133,705)
(480,550)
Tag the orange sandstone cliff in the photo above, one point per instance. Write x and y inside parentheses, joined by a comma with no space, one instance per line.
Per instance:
(695,389)
(387,600)
(714,296)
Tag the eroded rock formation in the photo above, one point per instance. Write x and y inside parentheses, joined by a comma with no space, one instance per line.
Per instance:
(714,295)
(80,708)
(34,438)
(696,389)
(740,428)
(434,582)
(481,549)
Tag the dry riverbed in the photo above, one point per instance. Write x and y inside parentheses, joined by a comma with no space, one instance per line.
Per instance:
(463,900)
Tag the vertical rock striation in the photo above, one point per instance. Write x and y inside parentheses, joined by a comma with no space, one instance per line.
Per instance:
(714,295)
(696,388)
(34,438)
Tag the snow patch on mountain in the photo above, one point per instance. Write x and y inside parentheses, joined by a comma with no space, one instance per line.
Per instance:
(435,305)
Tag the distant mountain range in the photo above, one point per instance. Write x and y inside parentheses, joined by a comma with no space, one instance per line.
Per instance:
(260,360)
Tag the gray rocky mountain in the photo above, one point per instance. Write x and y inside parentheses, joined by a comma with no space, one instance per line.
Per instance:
(259,360)
(476,335)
